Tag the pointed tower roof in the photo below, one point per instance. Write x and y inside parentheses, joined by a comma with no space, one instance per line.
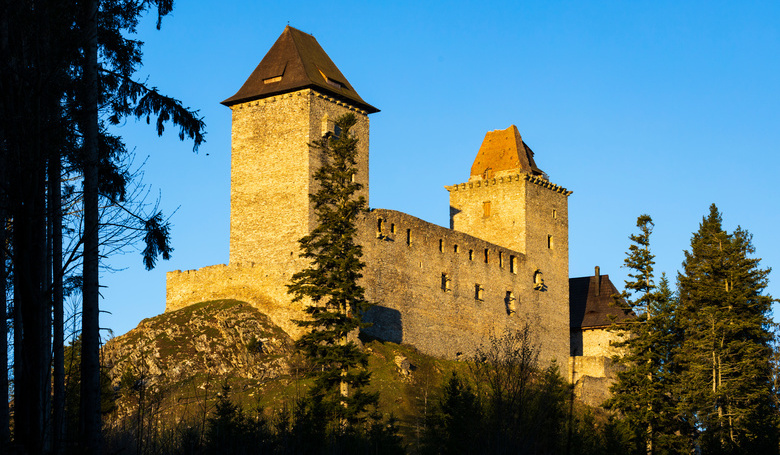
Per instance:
(504,150)
(297,61)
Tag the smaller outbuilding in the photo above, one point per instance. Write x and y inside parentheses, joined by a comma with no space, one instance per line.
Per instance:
(595,307)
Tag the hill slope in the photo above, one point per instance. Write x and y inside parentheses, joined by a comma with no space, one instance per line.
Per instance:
(172,366)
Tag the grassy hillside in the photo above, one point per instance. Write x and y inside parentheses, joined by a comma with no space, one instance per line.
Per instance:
(173,366)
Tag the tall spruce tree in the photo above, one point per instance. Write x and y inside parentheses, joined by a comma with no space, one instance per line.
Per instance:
(642,390)
(329,285)
(728,391)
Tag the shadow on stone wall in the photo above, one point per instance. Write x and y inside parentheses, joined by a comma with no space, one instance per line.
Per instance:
(386,324)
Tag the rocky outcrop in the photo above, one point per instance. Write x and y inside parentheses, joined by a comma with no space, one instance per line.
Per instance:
(223,338)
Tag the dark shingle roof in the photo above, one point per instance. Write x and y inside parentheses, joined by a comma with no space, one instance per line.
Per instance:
(589,308)
(297,61)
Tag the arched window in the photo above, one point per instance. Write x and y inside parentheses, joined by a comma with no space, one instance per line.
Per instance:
(539,281)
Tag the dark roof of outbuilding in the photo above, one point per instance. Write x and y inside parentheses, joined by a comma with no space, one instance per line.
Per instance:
(297,61)
(591,305)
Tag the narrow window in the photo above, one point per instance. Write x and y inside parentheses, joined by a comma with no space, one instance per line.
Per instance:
(486,209)
(513,264)
(326,125)
(445,282)
(392,228)
(539,281)
(471,255)
(555,214)
(441,245)
(487,255)
(510,302)
(409,237)
(455,248)
(500,259)
(379,223)
(478,292)
(549,242)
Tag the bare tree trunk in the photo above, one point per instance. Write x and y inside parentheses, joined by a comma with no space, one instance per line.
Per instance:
(90,434)
(31,383)
(58,396)
(5,421)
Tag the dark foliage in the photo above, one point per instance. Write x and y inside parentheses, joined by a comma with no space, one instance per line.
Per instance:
(509,405)
(329,286)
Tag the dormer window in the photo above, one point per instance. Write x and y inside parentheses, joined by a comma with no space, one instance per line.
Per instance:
(332,82)
(271,80)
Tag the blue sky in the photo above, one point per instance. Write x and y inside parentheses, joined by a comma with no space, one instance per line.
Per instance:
(659,107)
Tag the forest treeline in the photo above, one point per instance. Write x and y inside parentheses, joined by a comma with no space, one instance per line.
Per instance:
(700,363)
(68,200)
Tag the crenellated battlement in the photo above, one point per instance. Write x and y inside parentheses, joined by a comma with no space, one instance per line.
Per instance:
(301,94)
(475,184)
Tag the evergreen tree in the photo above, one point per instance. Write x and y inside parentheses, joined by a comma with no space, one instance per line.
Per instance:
(455,425)
(329,285)
(728,391)
(642,390)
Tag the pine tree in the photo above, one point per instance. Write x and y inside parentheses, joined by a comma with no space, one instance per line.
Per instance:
(728,390)
(642,390)
(329,285)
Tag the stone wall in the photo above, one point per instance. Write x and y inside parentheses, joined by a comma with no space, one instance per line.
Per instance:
(592,377)
(597,341)
(525,213)
(272,173)
(424,279)
(591,368)
(245,282)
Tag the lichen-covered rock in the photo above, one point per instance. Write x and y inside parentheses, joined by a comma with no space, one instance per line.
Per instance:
(223,338)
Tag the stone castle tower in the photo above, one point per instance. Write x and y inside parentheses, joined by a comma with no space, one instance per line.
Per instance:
(502,264)
(290,100)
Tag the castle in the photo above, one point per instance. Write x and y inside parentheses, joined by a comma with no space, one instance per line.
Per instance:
(502,263)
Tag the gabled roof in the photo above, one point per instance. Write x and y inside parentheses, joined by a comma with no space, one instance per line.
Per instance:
(297,61)
(591,303)
(504,150)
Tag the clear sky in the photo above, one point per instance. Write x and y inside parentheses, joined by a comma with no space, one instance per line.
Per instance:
(657,107)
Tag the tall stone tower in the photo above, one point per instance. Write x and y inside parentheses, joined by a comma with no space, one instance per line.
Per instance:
(509,201)
(290,100)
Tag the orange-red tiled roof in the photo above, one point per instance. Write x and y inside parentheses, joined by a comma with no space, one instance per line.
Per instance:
(504,150)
